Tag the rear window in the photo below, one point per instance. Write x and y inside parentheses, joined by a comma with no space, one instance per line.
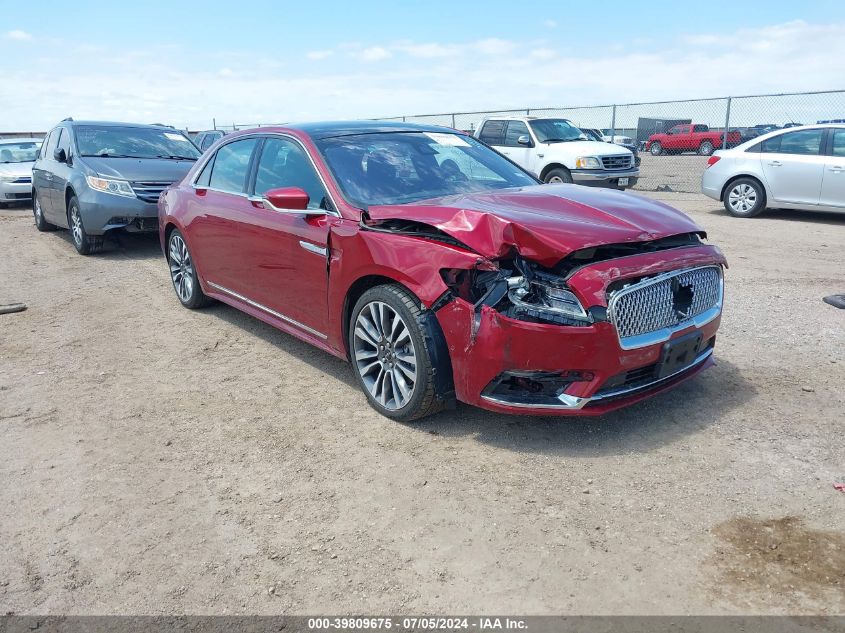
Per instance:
(493,132)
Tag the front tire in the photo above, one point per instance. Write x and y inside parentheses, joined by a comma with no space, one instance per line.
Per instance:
(706,148)
(40,223)
(183,273)
(656,149)
(85,244)
(557,176)
(390,355)
(745,198)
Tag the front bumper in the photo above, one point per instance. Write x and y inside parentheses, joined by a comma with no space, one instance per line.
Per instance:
(102,212)
(15,191)
(609,377)
(605,178)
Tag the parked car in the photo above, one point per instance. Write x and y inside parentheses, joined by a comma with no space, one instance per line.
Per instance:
(793,168)
(692,137)
(557,151)
(94,177)
(443,271)
(207,138)
(16,158)
(627,142)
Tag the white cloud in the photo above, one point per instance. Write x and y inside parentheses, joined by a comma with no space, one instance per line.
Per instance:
(375,54)
(550,24)
(429,50)
(543,53)
(318,55)
(21,36)
(494,46)
(226,72)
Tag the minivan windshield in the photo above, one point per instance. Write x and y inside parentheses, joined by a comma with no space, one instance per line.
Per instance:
(556,131)
(21,152)
(402,167)
(134,142)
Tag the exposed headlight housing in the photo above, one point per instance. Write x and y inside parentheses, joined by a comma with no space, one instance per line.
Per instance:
(547,299)
(108,185)
(587,162)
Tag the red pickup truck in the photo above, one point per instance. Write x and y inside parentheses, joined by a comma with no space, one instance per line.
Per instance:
(690,137)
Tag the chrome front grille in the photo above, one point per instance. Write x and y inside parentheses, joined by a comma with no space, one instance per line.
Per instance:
(149,191)
(648,311)
(620,161)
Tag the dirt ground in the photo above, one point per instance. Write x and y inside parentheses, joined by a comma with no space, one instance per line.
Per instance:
(155,460)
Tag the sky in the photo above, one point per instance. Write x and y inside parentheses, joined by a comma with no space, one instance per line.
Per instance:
(187,63)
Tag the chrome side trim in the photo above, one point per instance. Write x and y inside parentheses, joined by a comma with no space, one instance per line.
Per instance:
(313,248)
(664,334)
(569,403)
(264,308)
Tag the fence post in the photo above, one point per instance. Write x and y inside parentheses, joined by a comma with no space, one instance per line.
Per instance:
(453,121)
(727,125)
(403,119)
(528,112)
(214,123)
(613,124)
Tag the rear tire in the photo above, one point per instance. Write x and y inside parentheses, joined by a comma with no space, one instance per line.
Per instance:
(557,176)
(40,223)
(85,244)
(655,148)
(745,198)
(706,148)
(390,356)
(183,273)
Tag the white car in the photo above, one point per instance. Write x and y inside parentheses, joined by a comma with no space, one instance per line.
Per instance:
(795,168)
(16,158)
(556,151)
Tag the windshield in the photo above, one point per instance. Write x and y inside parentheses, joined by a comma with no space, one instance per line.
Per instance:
(401,167)
(21,152)
(134,142)
(556,131)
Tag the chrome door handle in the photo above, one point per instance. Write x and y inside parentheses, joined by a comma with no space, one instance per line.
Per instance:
(837,170)
(775,163)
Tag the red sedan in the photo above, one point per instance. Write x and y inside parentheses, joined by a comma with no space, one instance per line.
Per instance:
(443,271)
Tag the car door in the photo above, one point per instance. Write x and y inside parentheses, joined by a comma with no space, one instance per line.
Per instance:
(41,175)
(793,166)
(522,155)
(286,251)
(833,178)
(218,204)
(61,175)
(673,137)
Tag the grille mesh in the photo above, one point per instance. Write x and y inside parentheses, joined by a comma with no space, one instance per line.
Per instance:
(149,191)
(620,161)
(655,306)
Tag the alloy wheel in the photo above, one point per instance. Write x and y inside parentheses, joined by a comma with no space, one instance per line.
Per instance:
(555,180)
(76,225)
(742,198)
(384,355)
(181,268)
(37,208)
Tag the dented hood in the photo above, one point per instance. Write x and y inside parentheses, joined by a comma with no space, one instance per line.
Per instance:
(543,223)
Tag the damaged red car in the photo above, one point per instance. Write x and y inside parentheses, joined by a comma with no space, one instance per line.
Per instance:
(443,271)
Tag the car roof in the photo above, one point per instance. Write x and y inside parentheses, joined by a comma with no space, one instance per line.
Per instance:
(21,139)
(784,130)
(329,129)
(156,126)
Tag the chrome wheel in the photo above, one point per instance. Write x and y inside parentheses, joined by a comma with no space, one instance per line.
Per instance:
(76,225)
(742,198)
(384,355)
(555,180)
(36,207)
(181,268)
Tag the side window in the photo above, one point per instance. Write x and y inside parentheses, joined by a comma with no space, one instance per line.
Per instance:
(838,142)
(64,141)
(284,163)
(51,145)
(700,128)
(514,131)
(675,130)
(43,152)
(231,165)
(493,132)
(204,178)
(802,142)
(207,141)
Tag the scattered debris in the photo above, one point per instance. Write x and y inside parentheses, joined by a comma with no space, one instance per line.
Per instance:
(12,307)
(808,389)
(839,487)
(837,301)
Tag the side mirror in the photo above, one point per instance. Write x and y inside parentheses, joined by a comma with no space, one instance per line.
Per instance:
(524,140)
(288,199)
(60,155)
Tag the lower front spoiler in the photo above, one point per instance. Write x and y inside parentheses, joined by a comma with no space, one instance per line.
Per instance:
(603,402)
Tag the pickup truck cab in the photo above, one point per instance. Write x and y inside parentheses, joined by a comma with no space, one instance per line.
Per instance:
(690,137)
(555,150)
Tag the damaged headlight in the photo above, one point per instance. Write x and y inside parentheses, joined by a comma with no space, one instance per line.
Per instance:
(547,300)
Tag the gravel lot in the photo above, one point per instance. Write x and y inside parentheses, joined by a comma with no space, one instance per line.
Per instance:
(156,460)
(680,173)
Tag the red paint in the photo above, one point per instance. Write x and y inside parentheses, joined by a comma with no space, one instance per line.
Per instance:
(257,253)
(690,136)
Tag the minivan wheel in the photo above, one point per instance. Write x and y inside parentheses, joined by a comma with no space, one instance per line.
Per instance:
(85,244)
(745,198)
(183,273)
(390,355)
(706,148)
(557,176)
(40,223)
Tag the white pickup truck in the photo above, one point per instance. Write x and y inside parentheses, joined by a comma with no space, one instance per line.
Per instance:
(557,151)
